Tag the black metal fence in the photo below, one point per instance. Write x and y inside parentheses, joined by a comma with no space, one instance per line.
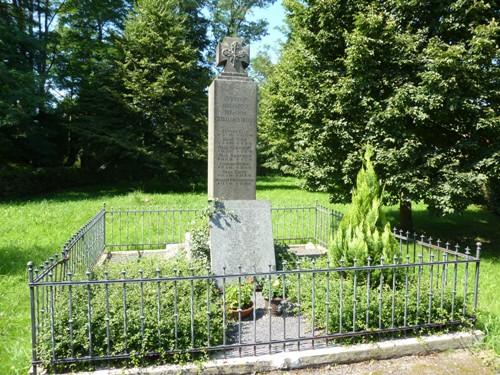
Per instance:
(151,229)
(174,310)
(78,255)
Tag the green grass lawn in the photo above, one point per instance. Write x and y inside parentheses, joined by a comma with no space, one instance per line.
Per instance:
(36,228)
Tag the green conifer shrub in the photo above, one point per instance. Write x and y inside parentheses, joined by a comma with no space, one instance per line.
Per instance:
(359,235)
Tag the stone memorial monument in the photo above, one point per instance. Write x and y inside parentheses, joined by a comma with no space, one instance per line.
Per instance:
(241,228)
(232,125)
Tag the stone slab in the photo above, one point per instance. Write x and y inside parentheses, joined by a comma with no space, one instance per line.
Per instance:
(313,358)
(308,250)
(123,256)
(232,138)
(241,234)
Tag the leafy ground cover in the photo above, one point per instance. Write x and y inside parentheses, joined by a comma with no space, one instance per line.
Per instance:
(128,312)
(36,227)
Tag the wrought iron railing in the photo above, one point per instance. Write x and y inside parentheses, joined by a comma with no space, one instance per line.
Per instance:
(151,229)
(164,311)
(299,225)
(79,254)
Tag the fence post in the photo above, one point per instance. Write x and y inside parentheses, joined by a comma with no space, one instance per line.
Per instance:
(332,226)
(476,283)
(33,322)
(316,223)
(85,253)
(104,227)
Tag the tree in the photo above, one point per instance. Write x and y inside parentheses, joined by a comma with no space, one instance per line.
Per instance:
(29,127)
(417,80)
(18,100)
(101,130)
(230,18)
(261,66)
(165,78)
(358,237)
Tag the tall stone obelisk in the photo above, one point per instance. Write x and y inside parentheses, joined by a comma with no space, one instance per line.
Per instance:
(232,125)
(241,230)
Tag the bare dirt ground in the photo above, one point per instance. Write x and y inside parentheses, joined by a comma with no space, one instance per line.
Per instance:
(458,362)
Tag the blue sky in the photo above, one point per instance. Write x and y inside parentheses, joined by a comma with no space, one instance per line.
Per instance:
(275,15)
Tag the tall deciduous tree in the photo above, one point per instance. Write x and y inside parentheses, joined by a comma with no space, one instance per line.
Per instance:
(165,77)
(231,18)
(417,80)
(30,133)
(18,99)
(261,66)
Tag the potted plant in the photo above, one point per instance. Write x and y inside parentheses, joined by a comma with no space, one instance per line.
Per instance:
(239,299)
(274,293)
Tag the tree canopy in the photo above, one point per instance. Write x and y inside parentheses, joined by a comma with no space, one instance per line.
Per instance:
(119,87)
(231,18)
(418,80)
(166,88)
(109,88)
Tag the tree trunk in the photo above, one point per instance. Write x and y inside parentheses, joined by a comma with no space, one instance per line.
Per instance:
(405,215)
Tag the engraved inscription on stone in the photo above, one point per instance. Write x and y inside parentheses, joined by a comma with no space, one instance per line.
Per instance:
(232,139)
(241,235)
(233,160)
(232,125)
(241,231)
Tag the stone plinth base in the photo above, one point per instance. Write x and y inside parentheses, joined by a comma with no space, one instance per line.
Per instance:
(241,234)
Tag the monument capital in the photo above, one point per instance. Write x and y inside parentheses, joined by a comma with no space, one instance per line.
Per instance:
(233,55)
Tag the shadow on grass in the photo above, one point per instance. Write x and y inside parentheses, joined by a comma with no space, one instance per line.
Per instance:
(473,225)
(277,183)
(15,259)
(108,190)
(150,187)
(277,187)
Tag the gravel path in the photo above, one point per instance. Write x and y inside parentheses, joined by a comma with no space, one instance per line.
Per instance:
(268,326)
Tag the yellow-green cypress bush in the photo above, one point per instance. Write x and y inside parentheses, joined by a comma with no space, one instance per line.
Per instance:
(363,231)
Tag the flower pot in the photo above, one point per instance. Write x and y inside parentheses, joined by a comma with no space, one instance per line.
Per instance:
(275,302)
(245,311)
